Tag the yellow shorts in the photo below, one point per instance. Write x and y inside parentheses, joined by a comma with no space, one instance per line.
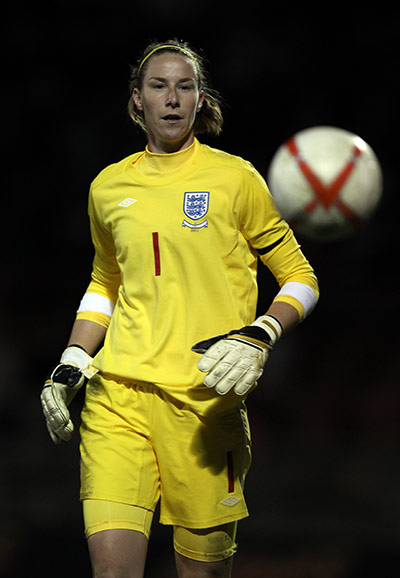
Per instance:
(138,445)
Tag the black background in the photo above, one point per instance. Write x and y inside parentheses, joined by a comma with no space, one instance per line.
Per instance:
(323,490)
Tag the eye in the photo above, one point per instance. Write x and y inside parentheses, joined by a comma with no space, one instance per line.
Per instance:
(157,85)
(186,87)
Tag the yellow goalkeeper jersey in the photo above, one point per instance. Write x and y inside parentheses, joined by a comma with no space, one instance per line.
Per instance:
(177,238)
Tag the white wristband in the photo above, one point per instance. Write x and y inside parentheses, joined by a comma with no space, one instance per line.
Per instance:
(302,293)
(98,303)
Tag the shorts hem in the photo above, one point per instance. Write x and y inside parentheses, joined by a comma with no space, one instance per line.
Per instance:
(101,515)
(118,500)
(203,524)
(116,525)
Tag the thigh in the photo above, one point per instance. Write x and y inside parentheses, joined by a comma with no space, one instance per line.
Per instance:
(208,544)
(202,461)
(117,458)
(118,553)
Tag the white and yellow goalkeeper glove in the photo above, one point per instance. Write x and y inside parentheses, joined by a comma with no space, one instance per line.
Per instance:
(61,387)
(236,359)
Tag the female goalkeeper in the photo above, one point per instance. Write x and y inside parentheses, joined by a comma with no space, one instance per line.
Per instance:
(178,229)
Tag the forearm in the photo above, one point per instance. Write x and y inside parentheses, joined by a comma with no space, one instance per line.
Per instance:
(296,278)
(87,334)
(286,314)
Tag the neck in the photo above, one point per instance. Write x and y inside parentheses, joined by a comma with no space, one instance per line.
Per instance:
(161,147)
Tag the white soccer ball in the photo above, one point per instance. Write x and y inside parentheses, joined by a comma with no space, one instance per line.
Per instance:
(326,182)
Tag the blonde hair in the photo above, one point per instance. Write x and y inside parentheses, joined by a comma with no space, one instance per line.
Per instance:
(209,119)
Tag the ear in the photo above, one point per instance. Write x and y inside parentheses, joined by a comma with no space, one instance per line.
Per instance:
(136,99)
(200,102)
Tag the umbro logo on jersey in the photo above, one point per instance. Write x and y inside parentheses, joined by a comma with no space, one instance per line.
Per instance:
(231,501)
(127,202)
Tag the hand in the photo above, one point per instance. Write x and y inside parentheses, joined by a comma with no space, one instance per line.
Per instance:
(236,359)
(61,387)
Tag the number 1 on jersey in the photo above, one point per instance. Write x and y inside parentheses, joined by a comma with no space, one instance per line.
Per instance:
(156,249)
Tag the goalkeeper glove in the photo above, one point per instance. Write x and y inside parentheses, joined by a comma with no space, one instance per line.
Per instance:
(61,387)
(236,359)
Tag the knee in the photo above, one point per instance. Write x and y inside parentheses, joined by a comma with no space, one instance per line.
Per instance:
(106,572)
(188,568)
(116,571)
(103,573)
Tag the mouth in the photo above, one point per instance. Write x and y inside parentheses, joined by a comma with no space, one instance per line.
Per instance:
(171,118)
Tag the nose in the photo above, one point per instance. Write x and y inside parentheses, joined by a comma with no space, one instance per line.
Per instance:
(173,99)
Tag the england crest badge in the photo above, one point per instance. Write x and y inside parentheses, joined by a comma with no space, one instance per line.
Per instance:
(195,207)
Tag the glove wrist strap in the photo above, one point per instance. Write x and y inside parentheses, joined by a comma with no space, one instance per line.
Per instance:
(271,325)
(75,355)
(263,332)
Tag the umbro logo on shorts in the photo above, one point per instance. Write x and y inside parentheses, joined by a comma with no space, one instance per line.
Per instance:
(231,501)
(127,202)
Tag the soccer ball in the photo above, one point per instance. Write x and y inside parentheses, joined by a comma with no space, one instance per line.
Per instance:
(326,182)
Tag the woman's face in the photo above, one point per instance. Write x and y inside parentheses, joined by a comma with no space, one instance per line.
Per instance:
(170,99)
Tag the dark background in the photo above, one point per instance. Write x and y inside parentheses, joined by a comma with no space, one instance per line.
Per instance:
(323,490)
